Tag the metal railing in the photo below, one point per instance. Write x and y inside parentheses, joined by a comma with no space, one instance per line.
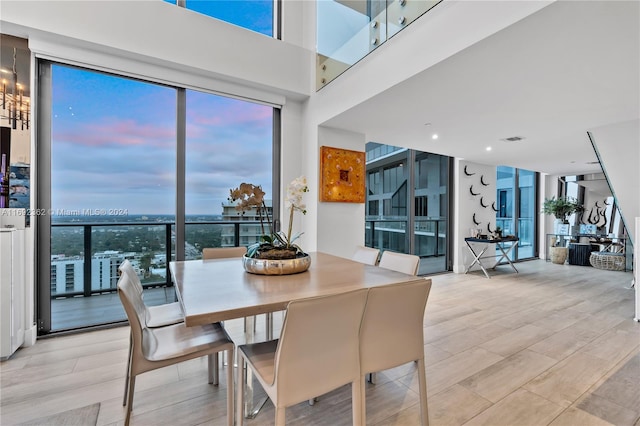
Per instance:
(390,234)
(166,251)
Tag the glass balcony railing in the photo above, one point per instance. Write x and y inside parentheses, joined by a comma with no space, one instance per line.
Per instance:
(391,234)
(347,31)
(149,246)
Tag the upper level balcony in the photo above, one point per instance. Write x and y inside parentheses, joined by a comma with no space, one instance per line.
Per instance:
(350,30)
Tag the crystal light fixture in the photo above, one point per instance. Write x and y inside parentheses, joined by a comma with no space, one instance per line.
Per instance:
(15,106)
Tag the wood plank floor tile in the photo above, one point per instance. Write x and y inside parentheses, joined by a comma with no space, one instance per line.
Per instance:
(520,408)
(505,376)
(452,370)
(455,406)
(570,378)
(575,417)
(518,339)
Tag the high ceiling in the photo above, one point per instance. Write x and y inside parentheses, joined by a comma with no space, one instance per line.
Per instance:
(568,69)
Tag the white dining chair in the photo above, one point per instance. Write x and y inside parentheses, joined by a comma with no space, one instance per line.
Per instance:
(223,252)
(155,348)
(366,255)
(316,353)
(401,262)
(155,316)
(391,334)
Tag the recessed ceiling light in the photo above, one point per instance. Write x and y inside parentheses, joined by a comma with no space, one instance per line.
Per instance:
(434,136)
(488,148)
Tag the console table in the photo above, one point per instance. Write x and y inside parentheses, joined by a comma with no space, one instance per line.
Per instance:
(483,244)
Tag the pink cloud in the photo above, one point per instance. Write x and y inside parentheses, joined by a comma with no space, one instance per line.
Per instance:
(119,133)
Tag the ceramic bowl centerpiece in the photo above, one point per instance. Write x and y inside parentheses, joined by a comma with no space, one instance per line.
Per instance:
(275,253)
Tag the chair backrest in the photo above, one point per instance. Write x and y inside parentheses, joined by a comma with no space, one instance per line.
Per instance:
(318,347)
(223,252)
(127,268)
(391,333)
(366,255)
(406,263)
(133,306)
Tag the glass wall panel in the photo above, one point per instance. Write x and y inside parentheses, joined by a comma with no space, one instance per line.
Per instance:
(516,213)
(422,231)
(228,142)
(113,186)
(348,30)
(113,145)
(526,214)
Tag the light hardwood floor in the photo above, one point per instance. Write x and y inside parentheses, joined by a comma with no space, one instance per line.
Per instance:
(552,345)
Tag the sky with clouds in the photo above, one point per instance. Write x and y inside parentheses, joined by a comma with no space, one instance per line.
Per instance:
(114,139)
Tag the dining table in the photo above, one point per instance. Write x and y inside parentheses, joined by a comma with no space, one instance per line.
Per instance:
(217,290)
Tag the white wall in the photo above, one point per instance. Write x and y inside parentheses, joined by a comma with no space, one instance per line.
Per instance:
(468,205)
(340,225)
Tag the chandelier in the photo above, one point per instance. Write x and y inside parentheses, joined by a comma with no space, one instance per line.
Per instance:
(15,106)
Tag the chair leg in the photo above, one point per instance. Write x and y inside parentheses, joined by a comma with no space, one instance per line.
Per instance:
(240,379)
(230,395)
(128,375)
(422,383)
(362,404)
(214,373)
(281,416)
(356,401)
(132,385)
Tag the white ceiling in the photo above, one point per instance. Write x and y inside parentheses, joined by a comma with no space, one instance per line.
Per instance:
(569,68)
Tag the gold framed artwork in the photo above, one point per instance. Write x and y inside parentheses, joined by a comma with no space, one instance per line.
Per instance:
(342,175)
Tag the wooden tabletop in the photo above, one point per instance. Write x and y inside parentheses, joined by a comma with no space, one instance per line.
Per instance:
(220,289)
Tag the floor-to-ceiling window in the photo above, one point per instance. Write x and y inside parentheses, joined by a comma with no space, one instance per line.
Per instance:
(516,202)
(407,204)
(116,188)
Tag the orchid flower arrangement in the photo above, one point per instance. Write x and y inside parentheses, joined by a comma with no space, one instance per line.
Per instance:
(250,196)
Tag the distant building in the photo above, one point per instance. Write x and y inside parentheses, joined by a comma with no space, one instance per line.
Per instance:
(249,233)
(67,273)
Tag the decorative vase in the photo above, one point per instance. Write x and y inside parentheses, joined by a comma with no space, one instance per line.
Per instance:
(558,255)
(276,266)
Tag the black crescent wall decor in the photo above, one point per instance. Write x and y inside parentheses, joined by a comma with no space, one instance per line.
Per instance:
(493,206)
(482,203)
(482,181)
(605,203)
(467,173)
(489,228)
(471,191)
(474,220)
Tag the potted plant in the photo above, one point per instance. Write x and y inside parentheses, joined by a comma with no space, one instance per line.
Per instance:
(276,247)
(561,208)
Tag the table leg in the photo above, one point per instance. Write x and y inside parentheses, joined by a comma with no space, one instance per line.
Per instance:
(252,408)
(505,255)
(477,259)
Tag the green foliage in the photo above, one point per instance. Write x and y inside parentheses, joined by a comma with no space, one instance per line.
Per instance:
(561,207)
